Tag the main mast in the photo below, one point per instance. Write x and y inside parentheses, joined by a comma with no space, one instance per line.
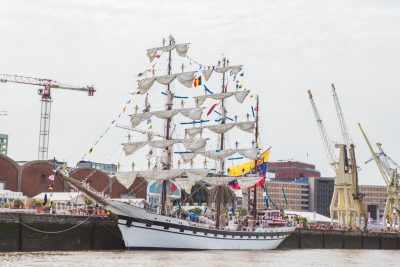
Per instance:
(256,162)
(222,161)
(223,90)
(167,135)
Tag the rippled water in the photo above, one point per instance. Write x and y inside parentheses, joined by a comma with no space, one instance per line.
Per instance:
(279,258)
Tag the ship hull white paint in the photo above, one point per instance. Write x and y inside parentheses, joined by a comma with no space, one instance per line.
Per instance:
(140,235)
(141,229)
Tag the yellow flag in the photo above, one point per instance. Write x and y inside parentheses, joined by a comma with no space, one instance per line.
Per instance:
(246,167)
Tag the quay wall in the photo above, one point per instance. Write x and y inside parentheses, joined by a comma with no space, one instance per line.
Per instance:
(93,234)
(335,239)
(103,234)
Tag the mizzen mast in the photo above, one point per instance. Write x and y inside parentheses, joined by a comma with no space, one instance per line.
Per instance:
(256,161)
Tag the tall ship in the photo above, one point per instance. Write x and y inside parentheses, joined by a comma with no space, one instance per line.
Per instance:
(191,141)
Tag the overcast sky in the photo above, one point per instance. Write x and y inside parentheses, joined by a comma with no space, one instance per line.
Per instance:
(287,47)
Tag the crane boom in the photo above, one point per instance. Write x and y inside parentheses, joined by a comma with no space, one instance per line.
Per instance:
(4,78)
(325,139)
(345,133)
(378,161)
(46,100)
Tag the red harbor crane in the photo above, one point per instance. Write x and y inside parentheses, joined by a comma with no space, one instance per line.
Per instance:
(45,92)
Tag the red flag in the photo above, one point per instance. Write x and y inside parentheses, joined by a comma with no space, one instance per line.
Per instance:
(259,183)
(172,189)
(158,56)
(211,109)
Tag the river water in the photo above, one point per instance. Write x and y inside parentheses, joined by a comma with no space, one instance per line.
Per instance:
(279,258)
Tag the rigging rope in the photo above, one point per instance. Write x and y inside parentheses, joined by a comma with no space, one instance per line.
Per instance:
(51,232)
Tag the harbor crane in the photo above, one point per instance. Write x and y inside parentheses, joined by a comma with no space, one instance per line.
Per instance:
(343,205)
(351,165)
(391,178)
(46,86)
(324,135)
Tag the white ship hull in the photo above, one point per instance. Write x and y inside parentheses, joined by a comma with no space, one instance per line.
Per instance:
(161,232)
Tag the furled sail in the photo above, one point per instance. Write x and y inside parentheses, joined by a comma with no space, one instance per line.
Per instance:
(187,157)
(207,74)
(216,180)
(191,113)
(247,181)
(247,126)
(220,128)
(218,154)
(185,184)
(131,147)
(196,145)
(235,69)
(181,50)
(185,78)
(127,178)
(250,153)
(136,119)
(197,174)
(239,95)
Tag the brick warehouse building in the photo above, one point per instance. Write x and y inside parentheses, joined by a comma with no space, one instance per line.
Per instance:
(292,169)
(31,178)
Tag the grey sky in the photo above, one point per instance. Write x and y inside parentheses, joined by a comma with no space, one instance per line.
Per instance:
(287,47)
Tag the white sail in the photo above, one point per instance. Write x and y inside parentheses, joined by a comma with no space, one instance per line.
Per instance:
(195,145)
(235,69)
(187,157)
(207,74)
(126,178)
(136,119)
(144,85)
(250,153)
(197,174)
(162,143)
(185,78)
(166,114)
(220,128)
(218,154)
(216,180)
(192,144)
(247,181)
(181,50)
(131,147)
(191,113)
(240,96)
(247,126)
(185,184)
